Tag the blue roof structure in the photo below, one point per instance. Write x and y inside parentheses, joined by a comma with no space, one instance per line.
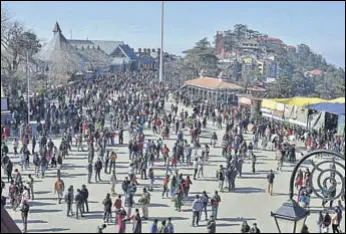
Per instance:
(334,108)
(128,51)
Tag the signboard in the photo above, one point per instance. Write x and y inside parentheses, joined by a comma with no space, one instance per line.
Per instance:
(4,104)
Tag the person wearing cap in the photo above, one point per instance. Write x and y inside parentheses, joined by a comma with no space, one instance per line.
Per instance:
(211,225)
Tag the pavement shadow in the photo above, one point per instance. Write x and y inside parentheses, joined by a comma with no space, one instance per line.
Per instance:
(165,218)
(249,190)
(35,203)
(41,192)
(44,211)
(238,219)
(49,230)
(253,177)
(30,221)
(158,205)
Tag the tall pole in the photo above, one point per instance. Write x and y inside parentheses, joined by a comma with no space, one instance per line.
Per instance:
(28,81)
(161,49)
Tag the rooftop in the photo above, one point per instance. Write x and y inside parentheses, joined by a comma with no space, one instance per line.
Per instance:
(268,39)
(212,83)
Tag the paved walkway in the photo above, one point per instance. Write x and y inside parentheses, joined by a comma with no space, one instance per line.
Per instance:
(249,202)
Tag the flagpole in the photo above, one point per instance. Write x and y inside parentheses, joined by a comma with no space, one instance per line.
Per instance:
(161,50)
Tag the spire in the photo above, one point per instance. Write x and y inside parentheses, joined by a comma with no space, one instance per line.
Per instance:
(56,28)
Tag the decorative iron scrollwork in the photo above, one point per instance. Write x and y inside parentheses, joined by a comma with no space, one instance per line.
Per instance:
(327,178)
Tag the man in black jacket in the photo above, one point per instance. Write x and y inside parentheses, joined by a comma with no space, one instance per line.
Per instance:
(85,194)
(98,168)
(79,203)
(125,185)
(107,203)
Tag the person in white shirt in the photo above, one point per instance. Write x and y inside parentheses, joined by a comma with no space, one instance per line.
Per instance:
(195,168)
(200,168)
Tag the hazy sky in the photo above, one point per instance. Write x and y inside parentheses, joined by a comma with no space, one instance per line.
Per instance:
(320,25)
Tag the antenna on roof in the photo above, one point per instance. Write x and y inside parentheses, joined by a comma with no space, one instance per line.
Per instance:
(71,34)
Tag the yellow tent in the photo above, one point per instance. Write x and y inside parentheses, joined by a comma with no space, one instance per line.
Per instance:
(337,100)
(299,101)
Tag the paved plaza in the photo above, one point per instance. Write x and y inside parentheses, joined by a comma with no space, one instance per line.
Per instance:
(249,202)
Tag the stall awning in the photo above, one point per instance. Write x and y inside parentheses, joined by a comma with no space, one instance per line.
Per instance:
(333,108)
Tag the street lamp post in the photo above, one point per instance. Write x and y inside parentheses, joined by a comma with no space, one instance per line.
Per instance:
(291,217)
(28,83)
(161,49)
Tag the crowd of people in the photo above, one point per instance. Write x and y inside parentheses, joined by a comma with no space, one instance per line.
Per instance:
(93,117)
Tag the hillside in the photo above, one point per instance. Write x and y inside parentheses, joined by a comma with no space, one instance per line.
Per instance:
(246,56)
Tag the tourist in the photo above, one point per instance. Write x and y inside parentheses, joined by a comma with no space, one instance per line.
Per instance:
(25,211)
(59,188)
(107,204)
(270,178)
(197,207)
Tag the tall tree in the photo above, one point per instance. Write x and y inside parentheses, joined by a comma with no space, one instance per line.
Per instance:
(202,56)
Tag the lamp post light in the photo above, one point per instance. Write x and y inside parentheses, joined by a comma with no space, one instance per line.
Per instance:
(291,217)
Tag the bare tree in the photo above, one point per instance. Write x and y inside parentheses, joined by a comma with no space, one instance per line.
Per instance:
(5,23)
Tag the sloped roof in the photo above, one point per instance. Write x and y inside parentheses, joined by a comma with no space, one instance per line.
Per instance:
(7,223)
(212,83)
(96,58)
(334,108)
(59,54)
(299,101)
(107,46)
(268,39)
(128,51)
(316,72)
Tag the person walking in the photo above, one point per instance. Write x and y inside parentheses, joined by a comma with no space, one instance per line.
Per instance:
(205,200)
(220,174)
(195,169)
(98,168)
(270,178)
(137,222)
(79,204)
(170,225)
(197,207)
(59,188)
(165,186)
(25,211)
(163,228)
(145,201)
(90,172)
(113,182)
(107,204)
(69,201)
(215,201)
(85,195)
(255,229)
(253,162)
(30,184)
(114,158)
(211,225)
(154,227)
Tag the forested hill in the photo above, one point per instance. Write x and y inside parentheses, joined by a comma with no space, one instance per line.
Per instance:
(301,71)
